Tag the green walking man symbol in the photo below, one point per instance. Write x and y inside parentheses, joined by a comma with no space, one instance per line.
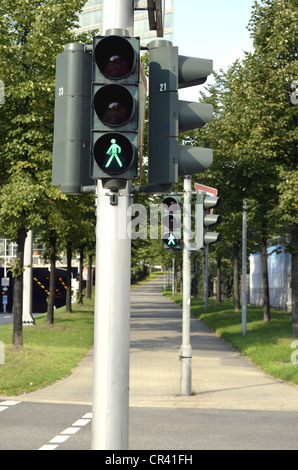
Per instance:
(114,150)
(171,240)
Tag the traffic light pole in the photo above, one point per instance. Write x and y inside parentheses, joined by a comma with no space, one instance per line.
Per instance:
(185,350)
(112,294)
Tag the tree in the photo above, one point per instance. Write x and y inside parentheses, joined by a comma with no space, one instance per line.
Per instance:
(273,27)
(31,35)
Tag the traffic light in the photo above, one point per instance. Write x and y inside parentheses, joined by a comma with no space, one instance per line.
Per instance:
(171,222)
(115,103)
(71,167)
(168,115)
(205,218)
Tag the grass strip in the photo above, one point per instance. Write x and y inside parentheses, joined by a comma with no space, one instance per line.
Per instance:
(270,346)
(50,352)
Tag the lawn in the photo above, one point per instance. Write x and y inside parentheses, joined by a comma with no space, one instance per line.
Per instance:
(50,353)
(269,346)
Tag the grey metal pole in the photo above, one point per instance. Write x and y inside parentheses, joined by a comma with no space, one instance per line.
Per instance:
(110,408)
(244,268)
(118,14)
(173,277)
(206,277)
(27,318)
(185,350)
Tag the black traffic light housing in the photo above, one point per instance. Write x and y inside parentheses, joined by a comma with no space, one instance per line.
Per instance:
(168,71)
(171,222)
(205,218)
(71,168)
(115,108)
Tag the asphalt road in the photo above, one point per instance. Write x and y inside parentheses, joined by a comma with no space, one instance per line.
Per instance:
(52,426)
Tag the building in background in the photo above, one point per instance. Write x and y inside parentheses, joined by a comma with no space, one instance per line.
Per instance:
(279,278)
(90,19)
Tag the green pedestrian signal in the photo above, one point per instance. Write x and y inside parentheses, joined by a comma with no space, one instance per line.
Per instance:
(114,150)
(113,153)
(171,222)
(171,240)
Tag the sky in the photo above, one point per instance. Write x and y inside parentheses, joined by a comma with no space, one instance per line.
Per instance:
(214,29)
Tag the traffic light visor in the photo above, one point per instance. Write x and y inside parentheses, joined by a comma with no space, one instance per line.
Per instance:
(115,57)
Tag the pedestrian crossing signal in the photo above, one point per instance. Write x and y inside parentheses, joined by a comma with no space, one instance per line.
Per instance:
(115,103)
(171,222)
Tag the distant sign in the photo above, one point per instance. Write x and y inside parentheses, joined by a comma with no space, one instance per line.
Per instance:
(206,189)
(4,299)
(5,281)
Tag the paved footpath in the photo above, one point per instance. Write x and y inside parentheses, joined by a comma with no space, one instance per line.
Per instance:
(234,405)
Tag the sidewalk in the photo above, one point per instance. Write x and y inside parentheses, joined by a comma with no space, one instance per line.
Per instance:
(221,377)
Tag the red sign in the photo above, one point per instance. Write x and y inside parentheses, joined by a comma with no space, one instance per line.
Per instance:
(206,189)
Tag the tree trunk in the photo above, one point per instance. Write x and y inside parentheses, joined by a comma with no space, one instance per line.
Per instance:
(52,288)
(236,276)
(68,308)
(89,278)
(294,274)
(218,282)
(80,295)
(266,317)
(18,290)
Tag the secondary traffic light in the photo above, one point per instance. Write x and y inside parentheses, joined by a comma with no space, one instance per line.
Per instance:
(205,218)
(71,167)
(171,222)
(115,103)
(167,115)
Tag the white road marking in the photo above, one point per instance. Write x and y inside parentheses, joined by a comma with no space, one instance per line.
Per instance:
(9,403)
(59,439)
(81,422)
(72,430)
(48,447)
(64,435)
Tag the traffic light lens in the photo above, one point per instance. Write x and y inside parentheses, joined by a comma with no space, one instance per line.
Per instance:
(170,240)
(114,105)
(114,57)
(113,153)
(171,203)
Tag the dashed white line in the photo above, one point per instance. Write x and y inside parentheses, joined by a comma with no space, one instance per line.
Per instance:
(64,435)
(81,422)
(59,439)
(48,447)
(70,430)
(7,404)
